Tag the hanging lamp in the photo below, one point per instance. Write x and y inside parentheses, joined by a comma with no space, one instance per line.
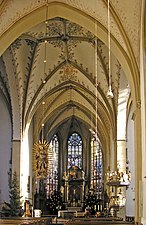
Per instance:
(92,130)
(40,148)
(109,92)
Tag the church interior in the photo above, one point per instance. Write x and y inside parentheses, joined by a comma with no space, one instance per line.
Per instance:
(73,108)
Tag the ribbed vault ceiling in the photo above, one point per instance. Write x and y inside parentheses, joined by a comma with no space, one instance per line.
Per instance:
(72,82)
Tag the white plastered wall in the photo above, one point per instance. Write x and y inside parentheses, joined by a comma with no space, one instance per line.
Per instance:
(5,150)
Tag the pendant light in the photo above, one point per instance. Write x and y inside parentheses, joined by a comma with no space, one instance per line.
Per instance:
(40,149)
(109,93)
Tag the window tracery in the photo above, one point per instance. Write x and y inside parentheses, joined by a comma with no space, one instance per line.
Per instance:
(96,166)
(75,150)
(53,155)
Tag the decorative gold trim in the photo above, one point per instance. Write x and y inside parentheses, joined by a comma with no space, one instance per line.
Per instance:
(40,159)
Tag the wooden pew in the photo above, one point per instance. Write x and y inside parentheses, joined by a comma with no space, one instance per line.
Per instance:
(77,222)
(26,221)
(98,219)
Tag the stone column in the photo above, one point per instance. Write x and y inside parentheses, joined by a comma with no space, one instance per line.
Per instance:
(143,110)
(121,154)
(138,163)
(113,153)
(16,157)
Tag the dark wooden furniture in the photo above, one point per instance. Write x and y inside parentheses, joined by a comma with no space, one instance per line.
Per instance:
(26,221)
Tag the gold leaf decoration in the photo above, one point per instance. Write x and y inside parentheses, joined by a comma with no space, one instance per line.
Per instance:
(40,159)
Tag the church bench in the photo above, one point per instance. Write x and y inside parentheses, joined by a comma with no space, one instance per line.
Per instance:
(26,221)
(90,222)
(18,222)
(99,219)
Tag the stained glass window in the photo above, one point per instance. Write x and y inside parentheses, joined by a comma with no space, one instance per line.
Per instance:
(52,183)
(96,166)
(75,151)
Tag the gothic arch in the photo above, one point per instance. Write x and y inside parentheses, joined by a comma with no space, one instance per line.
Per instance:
(62,10)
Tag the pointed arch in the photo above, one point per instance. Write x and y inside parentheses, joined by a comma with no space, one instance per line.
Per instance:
(75,150)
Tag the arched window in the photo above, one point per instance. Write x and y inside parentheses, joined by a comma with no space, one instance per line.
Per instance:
(52,183)
(96,166)
(75,151)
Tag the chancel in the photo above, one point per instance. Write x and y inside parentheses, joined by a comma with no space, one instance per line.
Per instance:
(72,112)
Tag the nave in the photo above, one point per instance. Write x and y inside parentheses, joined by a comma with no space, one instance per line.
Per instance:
(73,108)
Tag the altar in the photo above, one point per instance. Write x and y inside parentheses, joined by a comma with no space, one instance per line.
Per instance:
(67,214)
(74,187)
